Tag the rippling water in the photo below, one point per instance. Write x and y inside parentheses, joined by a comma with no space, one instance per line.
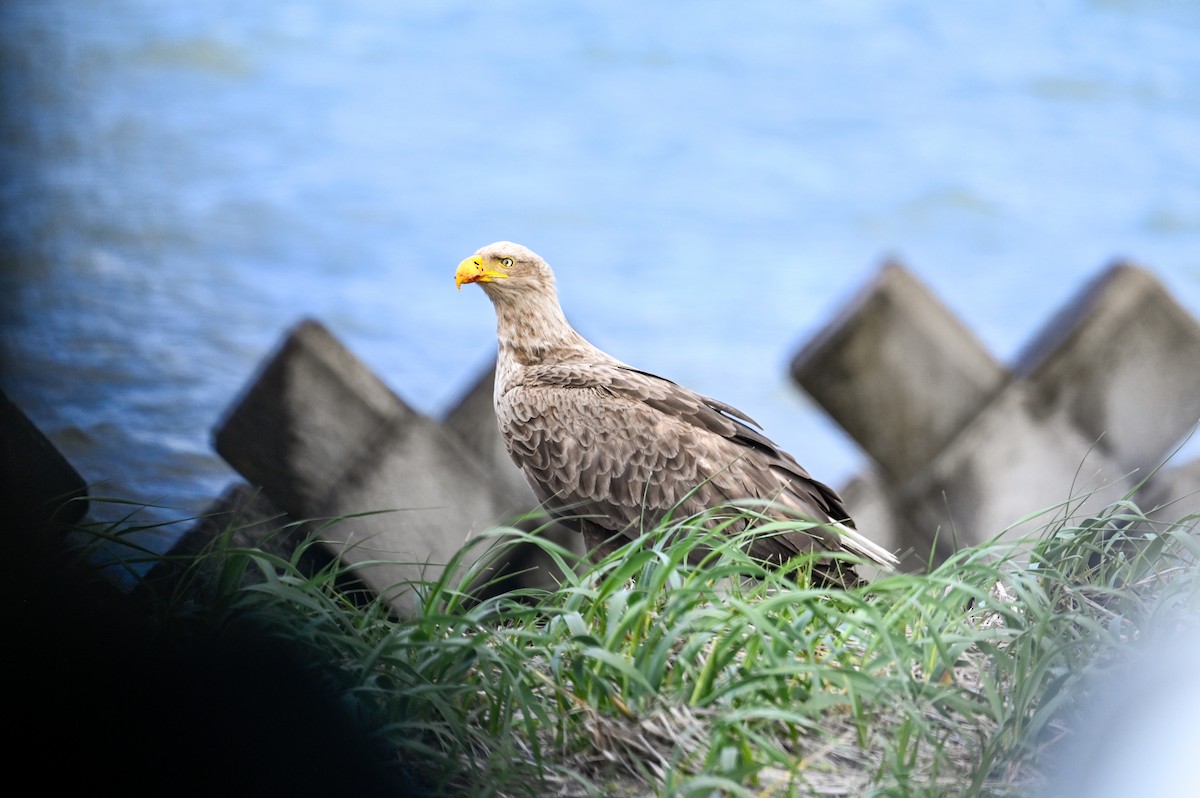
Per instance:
(183,181)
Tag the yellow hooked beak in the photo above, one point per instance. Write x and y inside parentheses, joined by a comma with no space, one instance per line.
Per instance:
(472,270)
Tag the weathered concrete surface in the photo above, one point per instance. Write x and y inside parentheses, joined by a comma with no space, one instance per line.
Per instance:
(244,516)
(898,371)
(472,419)
(1173,494)
(39,489)
(1006,464)
(1121,363)
(325,438)
(248,518)
(876,515)
(1095,403)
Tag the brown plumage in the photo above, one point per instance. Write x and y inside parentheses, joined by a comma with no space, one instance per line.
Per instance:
(611,450)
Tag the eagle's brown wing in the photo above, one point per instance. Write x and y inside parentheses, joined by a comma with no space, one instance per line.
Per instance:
(621,448)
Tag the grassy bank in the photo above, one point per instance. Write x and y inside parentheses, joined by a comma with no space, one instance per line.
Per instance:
(643,675)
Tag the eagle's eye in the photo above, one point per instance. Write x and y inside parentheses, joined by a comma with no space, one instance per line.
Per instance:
(506,262)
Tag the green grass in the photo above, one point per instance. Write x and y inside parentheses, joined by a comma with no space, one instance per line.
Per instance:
(644,675)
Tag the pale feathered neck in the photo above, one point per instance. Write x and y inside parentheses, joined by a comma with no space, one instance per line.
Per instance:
(532,330)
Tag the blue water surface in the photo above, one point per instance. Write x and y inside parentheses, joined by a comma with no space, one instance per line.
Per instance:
(184,181)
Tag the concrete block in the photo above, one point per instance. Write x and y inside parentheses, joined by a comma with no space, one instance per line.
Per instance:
(898,371)
(250,521)
(869,498)
(472,419)
(325,438)
(1172,495)
(39,489)
(1007,464)
(1122,364)
(247,517)
(966,450)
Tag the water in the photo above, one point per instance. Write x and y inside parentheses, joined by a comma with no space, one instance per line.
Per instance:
(184,181)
